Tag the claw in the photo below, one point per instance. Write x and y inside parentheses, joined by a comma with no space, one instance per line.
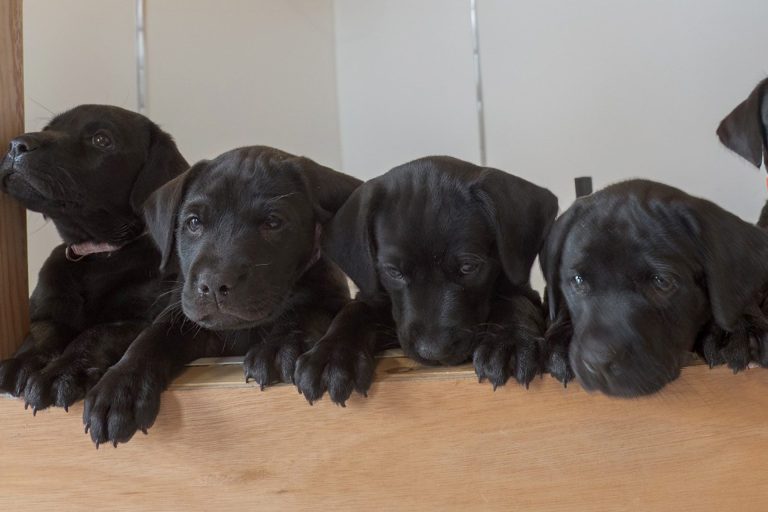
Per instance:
(114,443)
(26,405)
(365,394)
(526,385)
(66,408)
(247,379)
(143,431)
(97,445)
(342,404)
(34,411)
(261,387)
(87,427)
(495,385)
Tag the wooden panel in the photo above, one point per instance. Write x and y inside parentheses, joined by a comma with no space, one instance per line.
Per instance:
(425,439)
(14,313)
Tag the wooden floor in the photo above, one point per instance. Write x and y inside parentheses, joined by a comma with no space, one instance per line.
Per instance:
(425,439)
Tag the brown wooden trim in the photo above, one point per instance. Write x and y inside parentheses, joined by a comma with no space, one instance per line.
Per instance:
(14,306)
(424,439)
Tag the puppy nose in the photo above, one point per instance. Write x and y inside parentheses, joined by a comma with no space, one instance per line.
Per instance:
(21,145)
(600,361)
(218,285)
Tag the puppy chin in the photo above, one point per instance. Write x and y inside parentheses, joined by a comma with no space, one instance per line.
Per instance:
(449,359)
(215,319)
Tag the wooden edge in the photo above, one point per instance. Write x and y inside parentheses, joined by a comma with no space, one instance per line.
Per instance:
(14,292)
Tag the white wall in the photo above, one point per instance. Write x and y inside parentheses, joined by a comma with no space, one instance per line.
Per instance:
(78,51)
(620,89)
(406,82)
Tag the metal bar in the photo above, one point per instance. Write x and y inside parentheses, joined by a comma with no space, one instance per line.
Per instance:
(141,58)
(478,79)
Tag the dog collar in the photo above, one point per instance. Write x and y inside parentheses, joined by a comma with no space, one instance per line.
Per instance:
(77,252)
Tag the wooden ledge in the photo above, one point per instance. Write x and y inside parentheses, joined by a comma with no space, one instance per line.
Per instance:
(425,439)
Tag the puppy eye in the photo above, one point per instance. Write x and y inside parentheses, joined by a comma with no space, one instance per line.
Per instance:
(194,225)
(663,284)
(393,272)
(273,222)
(469,267)
(579,284)
(101,140)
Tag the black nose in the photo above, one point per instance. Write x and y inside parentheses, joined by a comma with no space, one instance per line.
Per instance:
(22,145)
(602,360)
(218,285)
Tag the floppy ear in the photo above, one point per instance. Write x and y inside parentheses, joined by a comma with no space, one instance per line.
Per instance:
(744,129)
(163,163)
(735,261)
(551,255)
(521,214)
(161,210)
(347,239)
(328,189)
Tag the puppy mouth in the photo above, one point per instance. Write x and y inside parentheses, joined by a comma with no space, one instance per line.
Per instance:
(16,184)
(222,318)
(625,381)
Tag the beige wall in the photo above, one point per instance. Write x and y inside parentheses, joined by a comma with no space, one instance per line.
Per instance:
(257,72)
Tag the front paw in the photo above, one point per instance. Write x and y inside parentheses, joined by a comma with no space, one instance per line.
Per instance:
(15,372)
(270,362)
(122,403)
(499,357)
(63,382)
(336,368)
(720,347)
(558,365)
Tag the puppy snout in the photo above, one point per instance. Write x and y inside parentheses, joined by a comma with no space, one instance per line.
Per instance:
(22,145)
(216,286)
(601,359)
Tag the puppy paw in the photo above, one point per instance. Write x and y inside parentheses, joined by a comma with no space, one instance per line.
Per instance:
(15,372)
(123,402)
(267,362)
(497,359)
(336,368)
(61,383)
(730,348)
(559,365)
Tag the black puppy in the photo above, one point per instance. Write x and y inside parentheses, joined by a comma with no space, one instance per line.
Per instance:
(745,131)
(640,273)
(442,248)
(242,232)
(89,171)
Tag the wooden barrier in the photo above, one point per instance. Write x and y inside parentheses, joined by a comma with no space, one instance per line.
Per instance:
(14,308)
(425,439)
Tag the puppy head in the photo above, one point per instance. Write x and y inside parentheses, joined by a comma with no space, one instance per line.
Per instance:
(90,170)
(245,226)
(641,268)
(744,129)
(436,235)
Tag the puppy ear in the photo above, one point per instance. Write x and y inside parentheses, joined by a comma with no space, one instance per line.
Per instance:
(328,189)
(744,129)
(551,255)
(521,214)
(348,240)
(161,211)
(163,163)
(735,261)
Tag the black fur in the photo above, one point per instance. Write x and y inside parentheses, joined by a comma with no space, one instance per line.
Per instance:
(242,234)
(441,250)
(639,274)
(85,313)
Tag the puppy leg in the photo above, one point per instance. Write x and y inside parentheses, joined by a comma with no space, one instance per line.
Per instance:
(47,340)
(127,398)
(342,361)
(511,345)
(67,378)
(557,343)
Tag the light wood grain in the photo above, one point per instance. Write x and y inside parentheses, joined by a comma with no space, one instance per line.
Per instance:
(425,439)
(14,308)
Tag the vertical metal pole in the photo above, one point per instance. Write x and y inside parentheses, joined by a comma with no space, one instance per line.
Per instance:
(478,79)
(141,58)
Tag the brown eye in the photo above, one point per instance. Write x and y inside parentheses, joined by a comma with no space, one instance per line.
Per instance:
(273,222)
(393,272)
(663,284)
(194,225)
(469,267)
(579,285)
(101,140)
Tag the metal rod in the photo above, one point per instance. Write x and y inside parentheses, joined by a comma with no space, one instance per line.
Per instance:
(478,79)
(141,58)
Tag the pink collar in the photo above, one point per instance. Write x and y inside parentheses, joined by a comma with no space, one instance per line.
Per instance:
(77,252)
